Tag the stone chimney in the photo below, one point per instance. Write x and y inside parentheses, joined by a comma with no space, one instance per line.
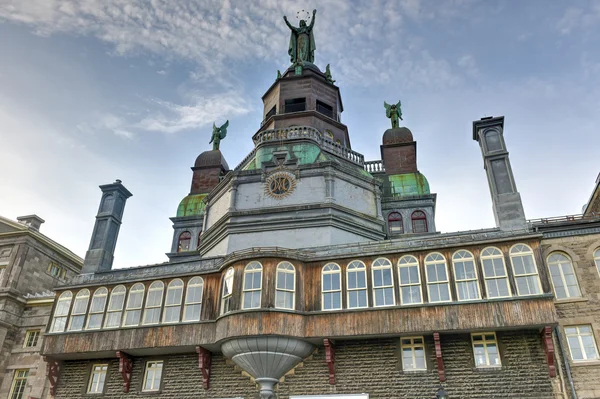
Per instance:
(33,221)
(508,208)
(99,257)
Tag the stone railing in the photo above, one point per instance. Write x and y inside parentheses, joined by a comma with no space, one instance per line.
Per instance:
(374,166)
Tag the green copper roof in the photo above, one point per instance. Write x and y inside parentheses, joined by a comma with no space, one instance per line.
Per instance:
(408,184)
(191,205)
(305,152)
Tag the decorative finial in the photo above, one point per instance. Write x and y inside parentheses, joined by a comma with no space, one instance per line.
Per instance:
(302,41)
(394,112)
(218,134)
(328,75)
(278,75)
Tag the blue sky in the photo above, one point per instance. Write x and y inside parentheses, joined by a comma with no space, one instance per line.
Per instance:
(92,91)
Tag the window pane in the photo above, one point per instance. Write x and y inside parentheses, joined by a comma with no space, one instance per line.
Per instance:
(191,313)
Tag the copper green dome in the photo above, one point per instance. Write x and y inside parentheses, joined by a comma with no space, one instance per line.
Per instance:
(191,205)
(409,184)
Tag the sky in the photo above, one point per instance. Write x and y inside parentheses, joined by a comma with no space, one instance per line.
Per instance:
(92,91)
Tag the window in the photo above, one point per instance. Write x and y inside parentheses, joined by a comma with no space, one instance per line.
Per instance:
(438,288)
(413,354)
(419,222)
(485,349)
(494,273)
(410,280)
(356,284)
(597,259)
(493,141)
(133,309)
(295,105)
(55,270)
(97,309)
(325,109)
(185,240)
(115,307)
(173,301)
(152,376)
(465,275)
(582,344)
(525,270)
(285,286)
(271,112)
(395,225)
(193,299)
(31,338)
(61,312)
(563,276)
(154,300)
(97,378)
(17,390)
(79,310)
(383,283)
(226,297)
(252,286)
(331,287)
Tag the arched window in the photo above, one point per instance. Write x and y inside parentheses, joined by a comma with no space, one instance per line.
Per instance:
(79,309)
(285,286)
(597,259)
(438,287)
(395,225)
(133,309)
(62,311)
(410,280)
(115,307)
(331,287)
(419,222)
(97,309)
(525,270)
(465,276)
(185,240)
(356,285)
(252,286)
(173,301)
(563,276)
(226,296)
(494,273)
(383,283)
(154,300)
(193,299)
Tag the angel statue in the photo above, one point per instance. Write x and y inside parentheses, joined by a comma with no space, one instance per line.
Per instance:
(218,134)
(394,113)
(302,41)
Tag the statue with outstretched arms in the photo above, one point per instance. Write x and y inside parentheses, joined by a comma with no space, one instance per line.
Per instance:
(302,41)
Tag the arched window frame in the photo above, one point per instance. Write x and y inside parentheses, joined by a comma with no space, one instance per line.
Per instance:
(416,218)
(435,261)
(467,285)
(133,307)
(184,237)
(395,224)
(252,286)
(383,283)
(61,312)
(356,289)
(409,279)
(80,305)
(114,311)
(154,300)
(192,309)
(597,259)
(285,290)
(491,259)
(173,298)
(331,287)
(96,312)
(562,275)
(227,291)
(528,278)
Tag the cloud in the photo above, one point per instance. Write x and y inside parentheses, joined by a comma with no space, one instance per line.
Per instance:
(579,18)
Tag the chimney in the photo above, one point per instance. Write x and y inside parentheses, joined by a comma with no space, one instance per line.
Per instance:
(100,255)
(33,221)
(506,200)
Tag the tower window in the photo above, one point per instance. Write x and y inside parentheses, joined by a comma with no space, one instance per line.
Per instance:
(295,105)
(271,112)
(325,109)
(419,222)
(395,225)
(185,239)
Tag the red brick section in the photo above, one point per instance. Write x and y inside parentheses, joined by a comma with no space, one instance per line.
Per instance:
(205,179)
(399,158)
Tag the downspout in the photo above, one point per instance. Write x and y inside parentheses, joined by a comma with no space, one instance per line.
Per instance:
(566,361)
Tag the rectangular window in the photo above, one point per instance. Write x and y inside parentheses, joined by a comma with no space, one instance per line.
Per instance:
(485,350)
(54,269)
(271,112)
(325,109)
(152,376)
(581,343)
(413,354)
(295,105)
(17,390)
(97,378)
(31,338)
(410,284)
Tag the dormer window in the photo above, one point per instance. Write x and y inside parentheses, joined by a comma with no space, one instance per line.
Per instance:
(295,105)
(325,109)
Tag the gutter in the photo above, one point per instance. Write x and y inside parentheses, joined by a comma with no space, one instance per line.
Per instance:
(566,361)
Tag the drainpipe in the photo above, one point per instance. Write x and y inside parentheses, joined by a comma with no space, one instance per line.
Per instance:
(566,361)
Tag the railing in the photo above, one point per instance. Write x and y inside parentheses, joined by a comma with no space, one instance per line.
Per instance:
(374,166)
(566,218)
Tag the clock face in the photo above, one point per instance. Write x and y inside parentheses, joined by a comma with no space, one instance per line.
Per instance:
(280,184)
